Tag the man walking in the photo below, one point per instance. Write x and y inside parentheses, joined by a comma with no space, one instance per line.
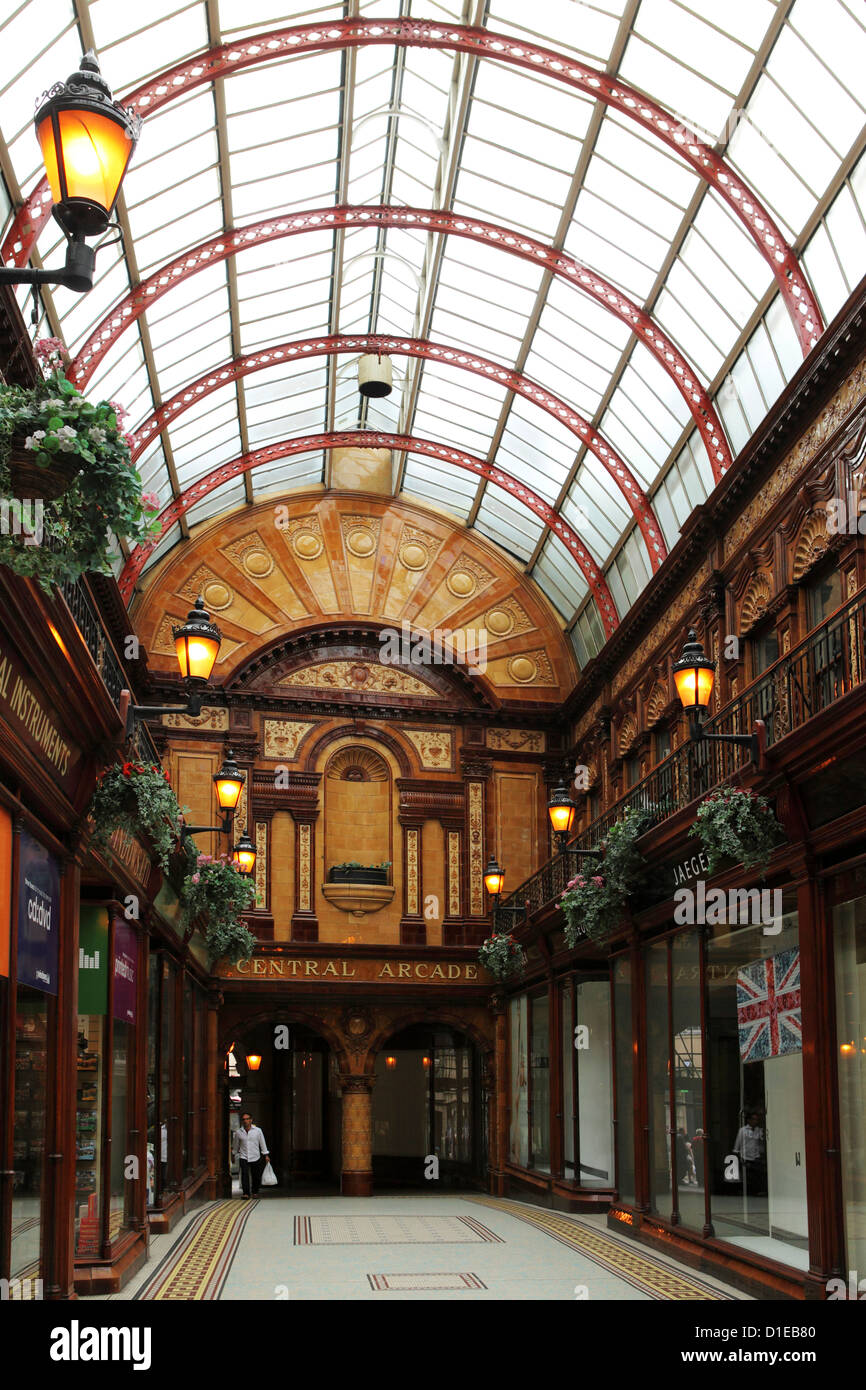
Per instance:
(251,1149)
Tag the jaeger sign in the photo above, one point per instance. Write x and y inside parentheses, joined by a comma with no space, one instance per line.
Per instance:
(358,970)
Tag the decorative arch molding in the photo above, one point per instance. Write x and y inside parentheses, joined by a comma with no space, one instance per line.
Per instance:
(318,744)
(811,544)
(656,704)
(357,765)
(398,1022)
(225,59)
(367,439)
(384,344)
(321,642)
(756,601)
(627,734)
(559,263)
(283,1013)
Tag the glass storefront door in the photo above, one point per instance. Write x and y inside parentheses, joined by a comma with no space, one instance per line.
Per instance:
(757,1135)
(849,942)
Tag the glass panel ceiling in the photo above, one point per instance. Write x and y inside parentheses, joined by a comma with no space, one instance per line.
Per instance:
(775,88)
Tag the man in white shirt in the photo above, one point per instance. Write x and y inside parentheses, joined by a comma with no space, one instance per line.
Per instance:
(252,1151)
(750,1147)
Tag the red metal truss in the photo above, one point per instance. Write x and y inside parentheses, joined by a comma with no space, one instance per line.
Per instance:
(304,348)
(564,266)
(368,439)
(227,58)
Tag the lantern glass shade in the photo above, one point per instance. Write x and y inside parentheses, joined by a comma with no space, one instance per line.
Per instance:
(197,643)
(561,810)
(244,855)
(391,1062)
(229,783)
(494,877)
(254,1061)
(694,675)
(87,141)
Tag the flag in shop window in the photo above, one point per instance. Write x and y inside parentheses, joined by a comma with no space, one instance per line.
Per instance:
(768,1007)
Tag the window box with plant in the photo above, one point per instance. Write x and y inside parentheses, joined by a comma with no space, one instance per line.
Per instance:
(58,448)
(353,872)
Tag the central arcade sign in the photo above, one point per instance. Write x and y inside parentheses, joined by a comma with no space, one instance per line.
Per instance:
(359,970)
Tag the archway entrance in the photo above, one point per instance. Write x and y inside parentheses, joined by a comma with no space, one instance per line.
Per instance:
(295,1099)
(427,1105)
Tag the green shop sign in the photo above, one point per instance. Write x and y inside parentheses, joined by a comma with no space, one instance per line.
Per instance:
(93,960)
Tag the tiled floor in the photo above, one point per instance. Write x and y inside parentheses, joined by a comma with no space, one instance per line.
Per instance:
(526,1262)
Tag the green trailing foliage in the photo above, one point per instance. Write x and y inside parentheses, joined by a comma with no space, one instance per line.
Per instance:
(735,824)
(502,956)
(593,902)
(215,887)
(137,797)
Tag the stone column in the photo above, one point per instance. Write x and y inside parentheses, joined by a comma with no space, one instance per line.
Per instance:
(357,1176)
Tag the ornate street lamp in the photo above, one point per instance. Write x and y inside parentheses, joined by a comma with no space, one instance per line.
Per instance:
(229,783)
(197,643)
(87,140)
(254,1061)
(561,811)
(494,878)
(244,855)
(694,676)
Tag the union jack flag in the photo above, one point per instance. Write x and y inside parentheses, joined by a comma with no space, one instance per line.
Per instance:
(768,1007)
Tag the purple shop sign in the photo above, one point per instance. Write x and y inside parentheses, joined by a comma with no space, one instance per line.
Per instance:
(125,971)
(38,915)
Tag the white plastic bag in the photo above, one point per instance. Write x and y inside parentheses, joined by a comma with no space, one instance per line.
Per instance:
(269,1177)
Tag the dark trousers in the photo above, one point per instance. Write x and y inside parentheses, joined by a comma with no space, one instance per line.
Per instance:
(251,1172)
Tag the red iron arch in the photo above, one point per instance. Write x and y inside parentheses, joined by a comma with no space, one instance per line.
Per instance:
(225,59)
(439,352)
(368,439)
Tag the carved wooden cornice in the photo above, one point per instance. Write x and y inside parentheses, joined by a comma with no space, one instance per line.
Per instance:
(299,796)
(420,801)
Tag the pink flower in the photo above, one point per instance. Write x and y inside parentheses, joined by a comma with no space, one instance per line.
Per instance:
(119,412)
(598,880)
(196,878)
(150,501)
(49,347)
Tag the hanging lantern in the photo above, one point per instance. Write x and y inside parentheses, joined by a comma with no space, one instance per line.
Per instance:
(229,782)
(244,854)
(561,810)
(494,877)
(254,1061)
(694,674)
(374,375)
(197,643)
(391,1062)
(87,140)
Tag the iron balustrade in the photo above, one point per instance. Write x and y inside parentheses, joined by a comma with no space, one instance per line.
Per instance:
(826,665)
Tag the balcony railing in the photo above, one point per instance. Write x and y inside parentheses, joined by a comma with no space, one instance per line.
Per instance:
(826,665)
(89,624)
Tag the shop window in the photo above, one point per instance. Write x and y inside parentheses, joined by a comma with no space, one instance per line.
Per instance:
(659,1080)
(687,1066)
(849,922)
(539,1156)
(586,1083)
(624,1079)
(121,1189)
(823,597)
(167,1102)
(28,1134)
(188,1020)
(518,1148)
(89,1135)
(152,1079)
(757,1150)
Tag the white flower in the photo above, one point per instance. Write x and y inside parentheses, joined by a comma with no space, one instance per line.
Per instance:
(32,440)
(67,432)
(97,434)
(54,404)
(68,446)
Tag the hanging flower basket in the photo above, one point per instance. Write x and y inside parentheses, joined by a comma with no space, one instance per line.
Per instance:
(736,825)
(502,956)
(137,798)
(214,886)
(71,455)
(593,903)
(38,475)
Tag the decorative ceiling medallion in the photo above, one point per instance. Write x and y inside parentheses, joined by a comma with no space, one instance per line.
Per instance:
(307,545)
(413,556)
(258,563)
(499,622)
(522,669)
(361,542)
(461,583)
(217,595)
